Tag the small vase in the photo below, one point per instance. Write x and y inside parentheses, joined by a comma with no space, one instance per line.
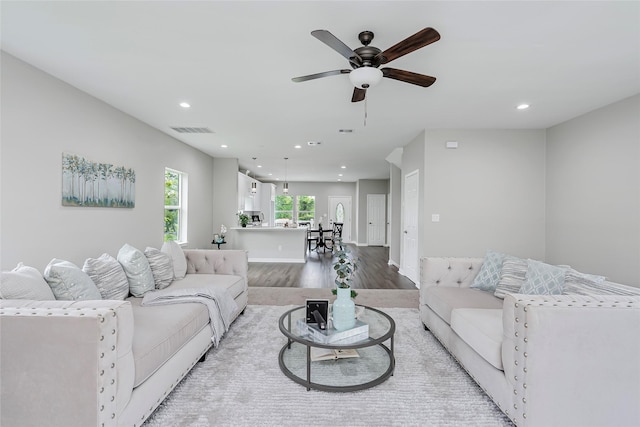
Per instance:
(344,310)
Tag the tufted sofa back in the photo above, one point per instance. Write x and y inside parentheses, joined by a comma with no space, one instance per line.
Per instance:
(452,272)
(207,261)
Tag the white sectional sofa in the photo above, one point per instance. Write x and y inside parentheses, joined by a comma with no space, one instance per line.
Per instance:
(545,360)
(108,362)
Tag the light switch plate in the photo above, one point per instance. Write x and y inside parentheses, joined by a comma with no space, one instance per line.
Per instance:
(435,217)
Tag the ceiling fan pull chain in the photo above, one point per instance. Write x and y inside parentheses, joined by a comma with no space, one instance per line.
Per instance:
(365,112)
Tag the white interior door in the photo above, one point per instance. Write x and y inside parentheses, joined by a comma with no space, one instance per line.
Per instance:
(376,224)
(409,262)
(340,211)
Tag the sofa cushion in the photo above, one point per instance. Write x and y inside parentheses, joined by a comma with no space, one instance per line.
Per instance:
(442,300)
(489,275)
(233,284)
(24,282)
(512,276)
(174,250)
(68,282)
(108,275)
(482,330)
(161,266)
(137,269)
(161,331)
(543,279)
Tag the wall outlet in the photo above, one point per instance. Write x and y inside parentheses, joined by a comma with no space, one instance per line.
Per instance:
(435,217)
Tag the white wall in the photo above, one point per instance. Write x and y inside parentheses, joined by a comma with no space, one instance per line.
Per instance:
(42,117)
(593,192)
(489,193)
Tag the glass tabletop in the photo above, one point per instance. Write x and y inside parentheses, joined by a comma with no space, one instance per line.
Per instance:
(381,327)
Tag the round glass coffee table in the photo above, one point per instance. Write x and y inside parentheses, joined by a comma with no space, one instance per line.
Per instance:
(373,365)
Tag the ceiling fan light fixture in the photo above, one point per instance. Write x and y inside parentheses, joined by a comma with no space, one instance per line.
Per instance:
(365,77)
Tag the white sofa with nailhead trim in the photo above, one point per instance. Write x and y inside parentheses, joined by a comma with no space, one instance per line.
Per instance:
(107,362)
(545,360)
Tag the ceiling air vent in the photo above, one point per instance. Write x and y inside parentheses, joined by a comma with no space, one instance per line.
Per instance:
(191,130)
(313,143)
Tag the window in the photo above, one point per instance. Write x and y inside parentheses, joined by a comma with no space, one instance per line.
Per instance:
(284,208)
(306,208)
(175,205)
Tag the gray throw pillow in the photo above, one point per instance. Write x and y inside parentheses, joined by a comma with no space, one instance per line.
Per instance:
(70,283)
(161,267)
(108,275)
(512,276)
(543,279)
(24,282)
(489,274)
(174,250)
(137,269)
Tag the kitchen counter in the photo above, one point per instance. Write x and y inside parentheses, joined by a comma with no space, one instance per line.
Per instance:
(272,244)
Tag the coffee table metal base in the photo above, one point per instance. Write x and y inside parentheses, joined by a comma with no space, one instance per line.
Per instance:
(341,375)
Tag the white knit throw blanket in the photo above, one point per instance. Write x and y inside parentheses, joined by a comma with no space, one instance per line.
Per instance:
(219,303)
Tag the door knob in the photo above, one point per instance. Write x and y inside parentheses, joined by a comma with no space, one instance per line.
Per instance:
(405,231)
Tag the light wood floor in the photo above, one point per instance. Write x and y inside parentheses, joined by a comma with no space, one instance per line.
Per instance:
(373,271)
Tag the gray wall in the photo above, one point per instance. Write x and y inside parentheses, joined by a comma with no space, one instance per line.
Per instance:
(42,117)
(225,197)
(593,192)
(395,189)
(489,193)
(364,188)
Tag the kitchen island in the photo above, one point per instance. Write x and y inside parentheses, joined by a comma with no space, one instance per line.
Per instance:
(272,244)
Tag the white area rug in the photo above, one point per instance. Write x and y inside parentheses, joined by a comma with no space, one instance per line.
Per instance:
(240,384)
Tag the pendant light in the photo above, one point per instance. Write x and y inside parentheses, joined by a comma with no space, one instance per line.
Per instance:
(285,186)
(254,185)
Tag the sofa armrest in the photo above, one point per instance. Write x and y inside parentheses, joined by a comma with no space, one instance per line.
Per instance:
(573,360)
(65,363)
(448,272)
(210,261)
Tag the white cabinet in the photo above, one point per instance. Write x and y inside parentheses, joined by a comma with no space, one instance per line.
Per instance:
(248,201)
(268,199)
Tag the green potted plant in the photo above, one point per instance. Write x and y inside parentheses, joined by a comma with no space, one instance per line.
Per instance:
(244,219)
(345,267)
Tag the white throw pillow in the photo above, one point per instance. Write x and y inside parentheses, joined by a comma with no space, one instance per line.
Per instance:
(137,269)
(70,283)
(174,250)
(108,275)
(161,267)
(24,282)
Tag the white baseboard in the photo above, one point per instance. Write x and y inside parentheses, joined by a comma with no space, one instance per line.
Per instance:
(296,260)
(395,264)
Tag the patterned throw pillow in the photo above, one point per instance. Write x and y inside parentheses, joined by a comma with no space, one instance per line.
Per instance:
(24,282)
(70,283)
(489,274)
(543,279)
(513,275)
(137,269)
(577,283)
(161,267)
(108,275)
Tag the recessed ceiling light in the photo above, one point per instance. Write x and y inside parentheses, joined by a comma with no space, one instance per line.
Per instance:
(522,106)
(297,146)
(259,166)
(343,167)
(339,179)
(269,174)
(277,179)
(339,174)
(224,146)
(185,105)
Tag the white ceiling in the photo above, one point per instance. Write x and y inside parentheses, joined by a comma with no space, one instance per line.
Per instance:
(233,62)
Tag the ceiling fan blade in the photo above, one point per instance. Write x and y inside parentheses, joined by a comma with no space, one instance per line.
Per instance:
(408,45)
(319,75)
(408,77)
(336,44)
(358,94)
